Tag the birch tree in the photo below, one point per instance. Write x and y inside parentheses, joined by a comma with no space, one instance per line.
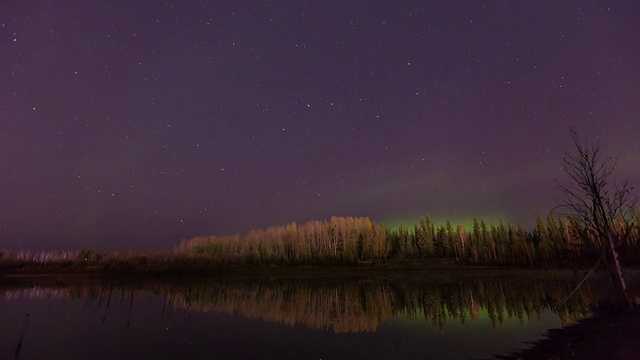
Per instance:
(593,198)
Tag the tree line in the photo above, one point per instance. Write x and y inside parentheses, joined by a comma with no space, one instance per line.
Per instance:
(358,240)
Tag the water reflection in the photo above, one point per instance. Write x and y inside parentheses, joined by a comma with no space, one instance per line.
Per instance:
(344,306)
(396,313)
(357,306)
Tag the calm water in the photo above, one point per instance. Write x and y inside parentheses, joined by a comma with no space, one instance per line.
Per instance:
(78,318)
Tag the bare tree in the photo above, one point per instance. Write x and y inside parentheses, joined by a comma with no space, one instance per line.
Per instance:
(596,202)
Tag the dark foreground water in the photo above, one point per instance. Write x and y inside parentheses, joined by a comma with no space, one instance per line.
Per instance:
(248,318)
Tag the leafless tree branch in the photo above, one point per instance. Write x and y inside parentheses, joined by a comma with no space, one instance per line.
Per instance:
(595,201)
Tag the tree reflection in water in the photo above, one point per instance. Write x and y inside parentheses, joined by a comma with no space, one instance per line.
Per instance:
(345,305)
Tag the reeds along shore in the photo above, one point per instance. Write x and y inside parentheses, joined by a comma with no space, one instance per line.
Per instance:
(359,241)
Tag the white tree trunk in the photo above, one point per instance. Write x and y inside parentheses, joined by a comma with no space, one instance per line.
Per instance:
(616,262)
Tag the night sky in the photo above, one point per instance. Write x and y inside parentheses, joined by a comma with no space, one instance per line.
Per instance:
(133,124)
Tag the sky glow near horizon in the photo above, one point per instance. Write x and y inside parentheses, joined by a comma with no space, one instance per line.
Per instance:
(131,125)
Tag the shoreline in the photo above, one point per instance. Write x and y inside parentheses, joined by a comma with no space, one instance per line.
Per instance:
(422,269)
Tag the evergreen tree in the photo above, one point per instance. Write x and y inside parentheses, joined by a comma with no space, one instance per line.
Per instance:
(545,245)
(450,249)
(424,237)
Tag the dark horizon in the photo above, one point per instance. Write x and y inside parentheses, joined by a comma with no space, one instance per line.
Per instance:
(130,126)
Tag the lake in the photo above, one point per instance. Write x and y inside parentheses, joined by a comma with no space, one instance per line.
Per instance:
(233,317)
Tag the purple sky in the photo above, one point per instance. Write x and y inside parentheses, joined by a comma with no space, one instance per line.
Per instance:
(133,124)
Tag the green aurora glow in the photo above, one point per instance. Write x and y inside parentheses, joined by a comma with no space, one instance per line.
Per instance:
(467,221)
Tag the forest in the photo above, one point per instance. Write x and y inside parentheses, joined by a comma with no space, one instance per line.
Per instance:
(358,240)
(351,241)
